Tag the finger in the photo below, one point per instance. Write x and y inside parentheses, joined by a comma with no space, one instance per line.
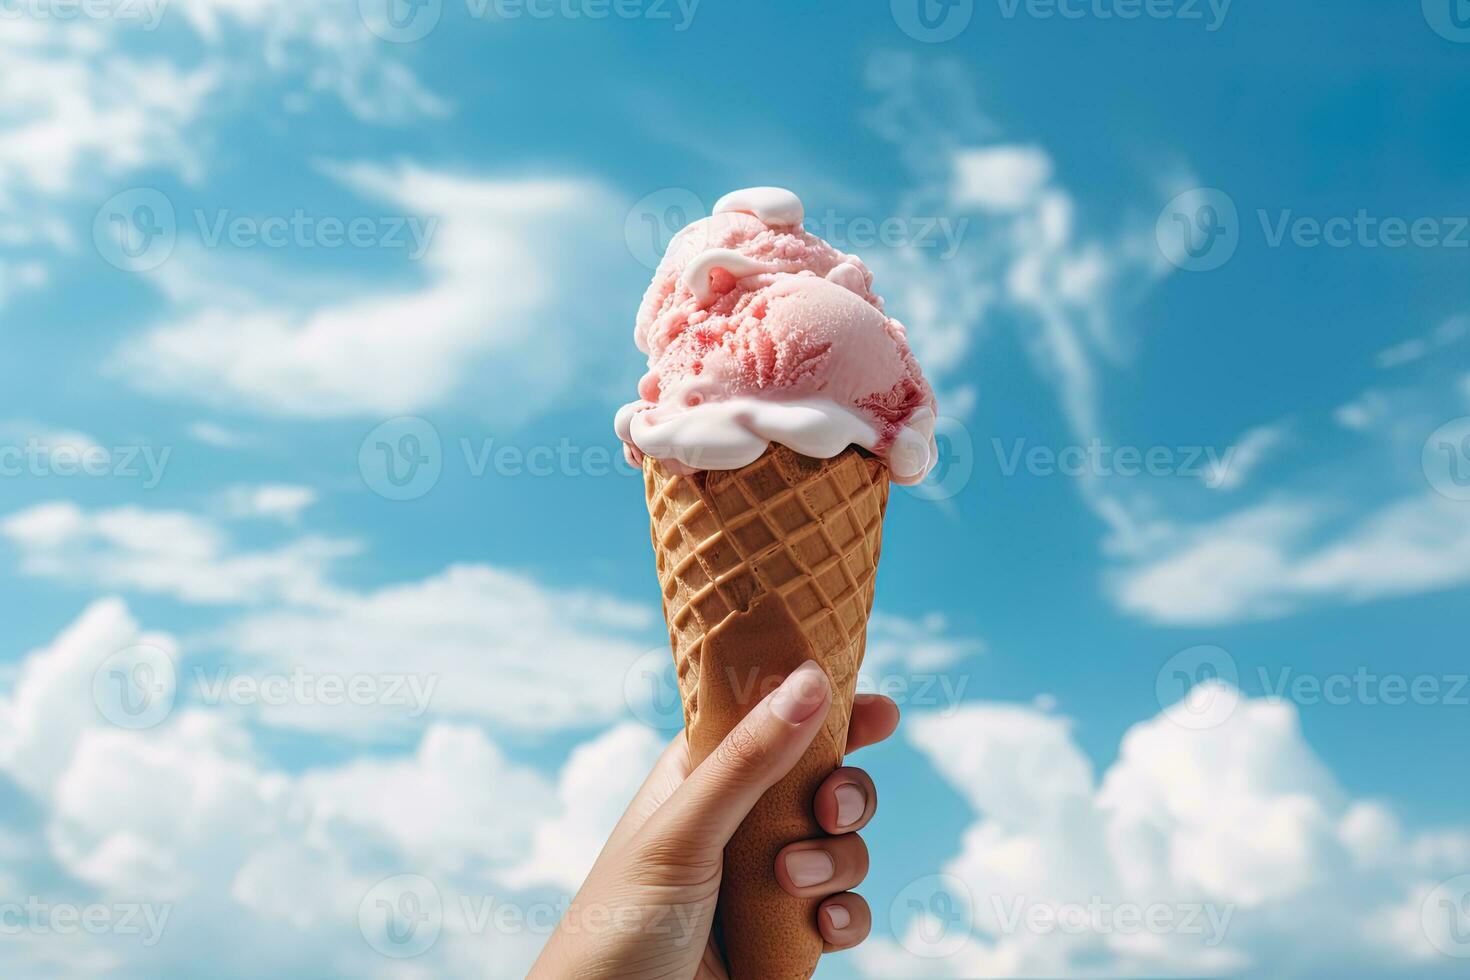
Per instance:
(874,718)
(845,801)
(710,804)
(813,868)
(844,920)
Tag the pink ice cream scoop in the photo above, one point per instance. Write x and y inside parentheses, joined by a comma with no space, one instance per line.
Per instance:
(758,332)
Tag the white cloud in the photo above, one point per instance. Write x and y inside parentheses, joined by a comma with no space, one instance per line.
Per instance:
(1417,544)
(1072,289)
(1064,289)
(1270,836)
(92,112)
(17,276)
(596,784)
(322,46)
(51,701)
(213,434)
(166,552)
(275,501)
(163,813)
(1243,456)
(98,112)
(1024,261)
(499,646)
(505,280)
(1014,762)
(1275,558)
(1447,334)
(189,818)
(1022,253)
(1241,821)
(1358,524)
(188,814)
(96,108)
(1003,179)
(29,436)
(1363,412)
(1396,419)
(457,805)
(473,641)
(298,881)
(923,644)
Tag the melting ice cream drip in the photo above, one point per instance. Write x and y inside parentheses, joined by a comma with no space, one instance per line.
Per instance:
(773,205)
(696,276)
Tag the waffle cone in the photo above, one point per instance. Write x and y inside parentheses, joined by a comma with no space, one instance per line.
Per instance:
(763,568)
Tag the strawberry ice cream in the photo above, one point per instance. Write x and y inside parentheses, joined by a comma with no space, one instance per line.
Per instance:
(758,332)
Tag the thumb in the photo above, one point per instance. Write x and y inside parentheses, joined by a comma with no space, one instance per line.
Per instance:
(768,742)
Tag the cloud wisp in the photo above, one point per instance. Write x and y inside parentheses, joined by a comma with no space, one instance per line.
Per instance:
(1211,851)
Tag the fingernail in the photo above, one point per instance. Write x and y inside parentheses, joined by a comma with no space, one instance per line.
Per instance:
(838,916)
(809,867)
(801,694)
(851,803)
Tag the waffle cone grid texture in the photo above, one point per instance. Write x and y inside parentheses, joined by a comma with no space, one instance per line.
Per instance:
(804,531)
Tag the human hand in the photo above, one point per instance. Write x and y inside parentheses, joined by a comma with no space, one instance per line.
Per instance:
(648,905)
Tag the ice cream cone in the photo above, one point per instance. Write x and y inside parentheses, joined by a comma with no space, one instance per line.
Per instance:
(762,568)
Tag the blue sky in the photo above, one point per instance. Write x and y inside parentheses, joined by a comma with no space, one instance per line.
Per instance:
(247,248)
